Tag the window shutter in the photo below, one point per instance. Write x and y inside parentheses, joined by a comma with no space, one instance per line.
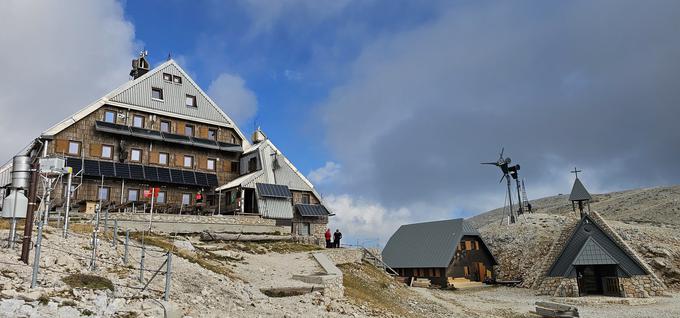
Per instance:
(60,146)
(179,160)
(95,150)
(153,157)
(180,128)
(202,162)
(203,132)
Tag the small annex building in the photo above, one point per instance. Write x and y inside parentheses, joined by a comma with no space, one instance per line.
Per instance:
(442,251)
(590,258)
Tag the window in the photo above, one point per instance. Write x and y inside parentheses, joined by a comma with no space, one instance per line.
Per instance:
(252,164)
(191,101)
(156,93)
(189,130)
(138,121)
(165,126)
(305,198)
(163,158)
(74,148)
(167,77)
(136,155)
(212,134)
(107,151)
(133,195)
(476,245)
(186,198)
(468,245)
(104,193)
(161,197)
(110,116)
(233,140)
(211,164)
(176,79)
(188,161)
(234,166)
(303,229)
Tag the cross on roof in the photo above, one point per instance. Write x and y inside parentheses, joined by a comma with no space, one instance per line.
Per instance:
(576,172)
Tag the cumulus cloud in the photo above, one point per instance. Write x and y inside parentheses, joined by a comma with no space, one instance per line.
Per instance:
(586,83)
(57,57)
(267,14)
(231,94)
(324,174)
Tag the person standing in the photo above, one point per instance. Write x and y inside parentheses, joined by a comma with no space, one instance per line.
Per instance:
(328,238)
(336,238)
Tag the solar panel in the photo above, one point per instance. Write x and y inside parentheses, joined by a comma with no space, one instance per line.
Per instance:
(201,179)
(91,168)
(176,176)
(146,133)
(151,173)
(75,163)
(311,210)
(164,175)
(189,177)
(176,138)
(107,169)
(137,172)
(273,190)
(212,180)
(205,143)
(112,128)
(122,170)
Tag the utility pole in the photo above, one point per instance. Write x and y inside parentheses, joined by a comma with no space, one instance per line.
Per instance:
(28,225)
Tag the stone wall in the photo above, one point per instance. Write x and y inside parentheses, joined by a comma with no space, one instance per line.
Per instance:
(221,219)
(344,255)
(641,286)
(559,287)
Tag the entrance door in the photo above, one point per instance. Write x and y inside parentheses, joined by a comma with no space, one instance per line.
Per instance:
(482,272)
(597,280)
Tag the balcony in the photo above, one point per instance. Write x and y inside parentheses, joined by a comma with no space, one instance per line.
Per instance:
(166,137)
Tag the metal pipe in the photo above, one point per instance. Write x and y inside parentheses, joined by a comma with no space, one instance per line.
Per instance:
(127,241)
(219,203)
(12,231)
(141,263)
(115,233)
(28,225)
(48,200)
(68,202)
(168,271)
(36,258)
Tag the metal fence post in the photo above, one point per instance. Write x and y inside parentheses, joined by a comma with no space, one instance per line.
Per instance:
(127,241)
(93,264)
(106,220)
(115,233)
(141,265)
(36,259)
(168,271)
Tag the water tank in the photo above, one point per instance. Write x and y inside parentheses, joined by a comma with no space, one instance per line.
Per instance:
(21,205)
(21,172)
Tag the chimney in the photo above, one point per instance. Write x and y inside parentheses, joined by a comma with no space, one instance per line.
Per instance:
(258,136)
(140,65)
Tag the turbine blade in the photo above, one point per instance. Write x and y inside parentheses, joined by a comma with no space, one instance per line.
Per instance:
(502,177)
(489,163)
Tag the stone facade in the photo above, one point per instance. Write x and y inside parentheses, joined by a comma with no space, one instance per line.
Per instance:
(317,229)
(222,219)
(91,141)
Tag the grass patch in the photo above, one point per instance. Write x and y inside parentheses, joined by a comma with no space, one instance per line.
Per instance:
(69,303)
(88,281)
(44,299)
(81,228)
(266,247)
(121,271)
(366,285)
(208,261)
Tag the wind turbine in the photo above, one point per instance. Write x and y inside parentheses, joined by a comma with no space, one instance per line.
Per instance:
(504,163)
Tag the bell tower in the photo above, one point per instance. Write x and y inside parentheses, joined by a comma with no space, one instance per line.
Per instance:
(579,195)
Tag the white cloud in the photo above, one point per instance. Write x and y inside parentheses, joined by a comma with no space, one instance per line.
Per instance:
(231,94)
(57,57)
(324,174)
(267,14)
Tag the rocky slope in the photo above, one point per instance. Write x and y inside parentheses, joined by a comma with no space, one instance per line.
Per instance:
(648,219)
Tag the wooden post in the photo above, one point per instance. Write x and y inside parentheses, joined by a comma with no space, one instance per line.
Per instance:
(28,226)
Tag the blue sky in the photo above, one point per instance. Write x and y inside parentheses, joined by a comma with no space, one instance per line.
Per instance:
(387,106)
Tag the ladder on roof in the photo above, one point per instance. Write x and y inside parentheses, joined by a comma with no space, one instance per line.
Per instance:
(377,261)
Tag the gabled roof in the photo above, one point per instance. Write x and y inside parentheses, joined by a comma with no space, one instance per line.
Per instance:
(429,244)
(592,253)
(579,192)
(590,243)
(136,94)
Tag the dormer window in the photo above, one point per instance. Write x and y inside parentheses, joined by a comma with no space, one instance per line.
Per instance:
(167,77)
(156,93)
(191,101)
(176,79)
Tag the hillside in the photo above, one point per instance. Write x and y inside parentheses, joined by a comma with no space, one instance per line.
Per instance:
(647,219)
